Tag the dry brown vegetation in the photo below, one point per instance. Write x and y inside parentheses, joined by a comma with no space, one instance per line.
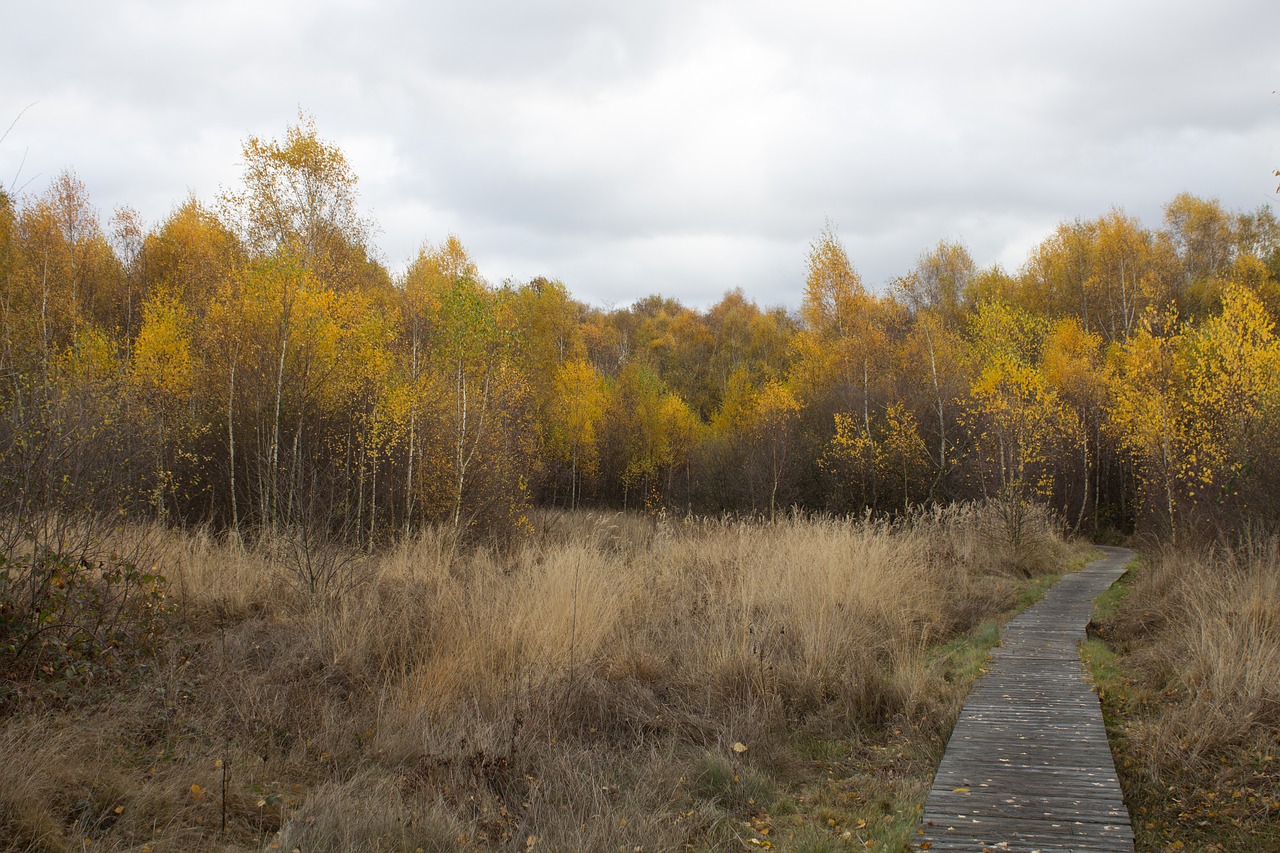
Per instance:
(1193,696)
(614,681)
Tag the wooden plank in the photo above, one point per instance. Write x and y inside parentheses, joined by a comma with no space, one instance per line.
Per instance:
(1028,766)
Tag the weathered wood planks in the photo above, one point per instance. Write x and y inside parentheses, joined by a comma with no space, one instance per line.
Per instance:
(1028,766)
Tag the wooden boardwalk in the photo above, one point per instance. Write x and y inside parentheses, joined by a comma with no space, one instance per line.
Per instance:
(1028,767)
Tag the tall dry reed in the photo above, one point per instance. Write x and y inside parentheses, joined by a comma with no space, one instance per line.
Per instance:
(1204,629)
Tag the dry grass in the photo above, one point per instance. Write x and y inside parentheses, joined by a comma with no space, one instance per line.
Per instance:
(1197,709)
(583,691)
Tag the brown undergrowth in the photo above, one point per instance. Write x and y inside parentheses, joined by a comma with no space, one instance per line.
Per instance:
(1190,681)
(614,682)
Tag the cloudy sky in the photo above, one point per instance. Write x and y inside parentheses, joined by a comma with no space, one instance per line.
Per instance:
(683,148)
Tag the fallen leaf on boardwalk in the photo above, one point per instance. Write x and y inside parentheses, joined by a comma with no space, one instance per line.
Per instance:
(961,790)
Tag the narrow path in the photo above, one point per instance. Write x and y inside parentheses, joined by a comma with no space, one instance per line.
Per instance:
(1028,767)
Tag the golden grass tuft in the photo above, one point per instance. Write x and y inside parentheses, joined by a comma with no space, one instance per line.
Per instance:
(1214,621)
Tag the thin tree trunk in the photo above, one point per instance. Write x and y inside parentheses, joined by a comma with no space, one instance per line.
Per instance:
(460,465)
(275,433)
(773,491)
(1084,500)
(295,471)
(360,493)
(942,421)
(231,446)
(373,502)
(573,478)
(1168,488)
(465,456)
(413,423)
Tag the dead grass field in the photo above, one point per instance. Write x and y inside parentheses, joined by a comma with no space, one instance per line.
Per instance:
(1191,690)
(612,683)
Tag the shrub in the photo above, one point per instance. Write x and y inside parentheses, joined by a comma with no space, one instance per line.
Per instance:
(64,619)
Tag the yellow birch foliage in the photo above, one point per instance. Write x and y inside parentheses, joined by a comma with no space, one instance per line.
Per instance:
(1018,421)
(903,456)
(1231,374)
(1144,409)
(1197,406)
(849,458)
(843,345)
(162,351)
(579,407)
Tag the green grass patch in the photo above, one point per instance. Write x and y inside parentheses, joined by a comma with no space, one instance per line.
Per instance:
(1035,590)
(1106,606)
(1109,679)
(965,657)
(732,787)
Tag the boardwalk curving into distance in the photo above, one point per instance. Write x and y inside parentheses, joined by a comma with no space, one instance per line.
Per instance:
(1028,767)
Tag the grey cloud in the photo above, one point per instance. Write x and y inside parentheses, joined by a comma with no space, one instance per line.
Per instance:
(685,148)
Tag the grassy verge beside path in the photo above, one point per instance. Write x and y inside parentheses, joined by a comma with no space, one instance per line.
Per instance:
(1186,658)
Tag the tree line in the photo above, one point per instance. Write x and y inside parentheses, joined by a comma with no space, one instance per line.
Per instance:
(249,363)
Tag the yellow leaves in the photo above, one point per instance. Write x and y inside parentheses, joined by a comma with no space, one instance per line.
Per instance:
(658,428)
(435,269)
(162,351)
(1019,420)
(738,405)
(1072,363)
(903,447)
(196,791)
(739,747)
(190,246)
(90,362)
(777,406)
(579,400)
(1191,403)
(299,198)
(833,289)
(851,445)
(751,413)
(1002,332)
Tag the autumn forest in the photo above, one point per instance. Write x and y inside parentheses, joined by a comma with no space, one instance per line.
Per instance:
(249,362)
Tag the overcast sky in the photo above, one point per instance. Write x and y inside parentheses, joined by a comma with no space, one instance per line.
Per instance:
(682,148)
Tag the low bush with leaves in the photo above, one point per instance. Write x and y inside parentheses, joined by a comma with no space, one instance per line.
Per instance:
(67,620)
